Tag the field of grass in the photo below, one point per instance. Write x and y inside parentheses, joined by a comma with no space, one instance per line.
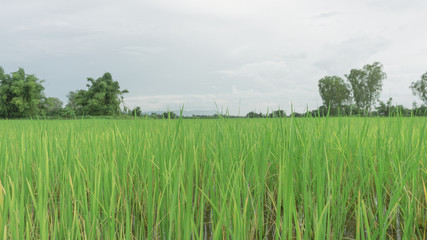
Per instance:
(309,178)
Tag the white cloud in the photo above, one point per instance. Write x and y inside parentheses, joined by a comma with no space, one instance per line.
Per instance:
(263,73)
(339,58)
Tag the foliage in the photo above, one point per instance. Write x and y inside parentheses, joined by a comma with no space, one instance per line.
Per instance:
(74,103)
(366,85)
(20,94)
(420,111)
(388,110)
(277,114)
(334,92)
(103,97)
(136,112)
(254,115)
(155,115)
(169,115)
(306,178)
(385,109)
(419,88)
(50,106)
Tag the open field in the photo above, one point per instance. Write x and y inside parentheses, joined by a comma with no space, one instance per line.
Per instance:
(323,178)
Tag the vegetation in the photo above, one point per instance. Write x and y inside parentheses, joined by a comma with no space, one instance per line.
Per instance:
(136,112)
(254,115)
(334,92)
(169,114)
(363,87)
(20,94)
(306,178)
(51,106)
(366,85)
(102,98)
(419,88)
(279,178)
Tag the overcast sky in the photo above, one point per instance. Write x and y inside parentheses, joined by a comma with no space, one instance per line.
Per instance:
(243,55)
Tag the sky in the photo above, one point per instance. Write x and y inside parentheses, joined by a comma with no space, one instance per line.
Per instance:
(235,55)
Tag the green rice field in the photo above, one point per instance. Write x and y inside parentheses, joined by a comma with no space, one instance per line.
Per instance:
(292,178)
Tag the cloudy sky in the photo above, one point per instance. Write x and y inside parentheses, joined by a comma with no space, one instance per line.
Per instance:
(243,55)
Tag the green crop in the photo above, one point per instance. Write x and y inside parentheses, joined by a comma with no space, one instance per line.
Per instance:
(292,178)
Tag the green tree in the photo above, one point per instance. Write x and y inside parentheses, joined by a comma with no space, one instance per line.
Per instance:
(50,106)
(77,102)
(136,112)
(253,114)
(366,85)
(20,94)
(277,114)
(386,109)
(419,88)
(103,97)
(155,115)
(334,92)
(170,115)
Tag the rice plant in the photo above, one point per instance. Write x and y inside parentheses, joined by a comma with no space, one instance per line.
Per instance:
(281,178)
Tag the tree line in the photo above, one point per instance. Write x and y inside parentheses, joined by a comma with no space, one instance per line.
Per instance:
(360,91)
(358,94)
(22,95)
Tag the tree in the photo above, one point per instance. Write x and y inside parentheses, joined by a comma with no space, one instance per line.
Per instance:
(72,101)
(277,114)
(170,115)
(103,97)
(366,85)
(20,94)
(50,106)
(136,112)
(253,114)
(155,115)
(334,92)
(420,88)
(386,109)
(77,102)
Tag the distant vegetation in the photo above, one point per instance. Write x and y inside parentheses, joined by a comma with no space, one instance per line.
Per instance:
(102,98)
(22,96)
(361,92)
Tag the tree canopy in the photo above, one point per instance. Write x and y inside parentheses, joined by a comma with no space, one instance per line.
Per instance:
(50,106)
(277,114)
(136,111)
(20,94)
(366,85)
(334,92)
(253,114)
(419,88)
(103,97)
